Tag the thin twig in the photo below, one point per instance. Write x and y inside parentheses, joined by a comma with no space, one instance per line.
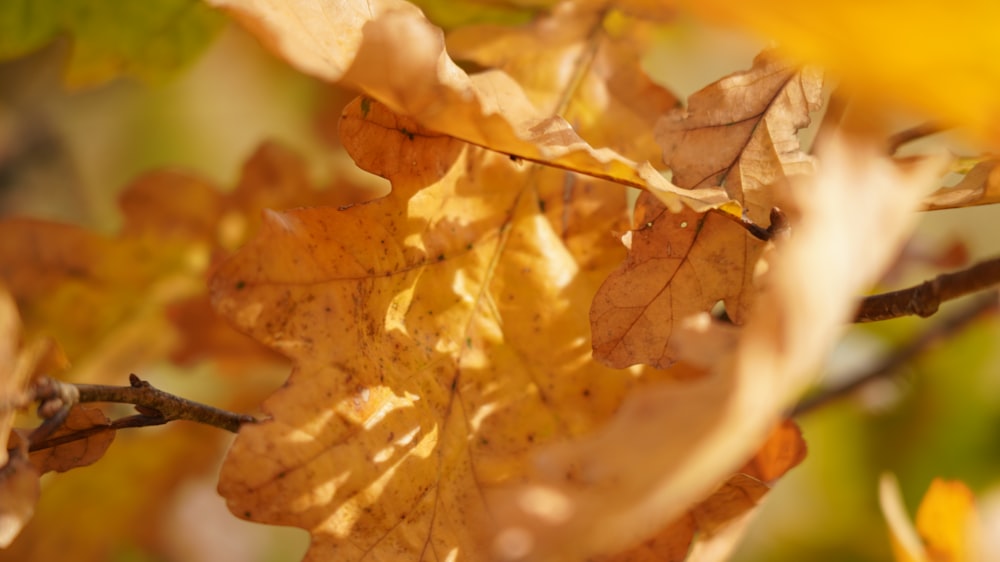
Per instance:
(152,401)
(923,299)
(891,364)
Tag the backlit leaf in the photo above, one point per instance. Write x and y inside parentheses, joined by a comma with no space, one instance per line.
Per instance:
(980,186)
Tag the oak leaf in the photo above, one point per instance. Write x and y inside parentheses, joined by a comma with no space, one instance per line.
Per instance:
(630,477)
(388,50)
(740,134)
(425,370)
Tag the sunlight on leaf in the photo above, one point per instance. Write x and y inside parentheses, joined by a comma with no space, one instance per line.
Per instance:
(19,489)
(425,375)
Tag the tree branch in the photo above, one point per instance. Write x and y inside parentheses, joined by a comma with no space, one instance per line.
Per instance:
(138,420)
(891,364)
(923,300)
(154,402)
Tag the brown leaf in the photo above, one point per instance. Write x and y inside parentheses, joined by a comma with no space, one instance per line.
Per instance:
(740,132)
(981,186)
(678,264)
(783,450)
(387,49)
(79,452)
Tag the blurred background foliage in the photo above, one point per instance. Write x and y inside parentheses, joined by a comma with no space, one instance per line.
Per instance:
(88,103)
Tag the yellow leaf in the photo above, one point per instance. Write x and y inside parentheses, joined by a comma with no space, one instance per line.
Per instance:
(945,520)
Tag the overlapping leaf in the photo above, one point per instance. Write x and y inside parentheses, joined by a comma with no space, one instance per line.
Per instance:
(630,477)
(738,133)
(390,51)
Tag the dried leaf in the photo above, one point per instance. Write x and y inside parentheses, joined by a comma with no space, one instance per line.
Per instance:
(740,133)
(80,452)
(631,477)
(387,49)
(981,186)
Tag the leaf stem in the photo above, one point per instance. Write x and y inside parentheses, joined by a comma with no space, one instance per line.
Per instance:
(889,365)
(924,299)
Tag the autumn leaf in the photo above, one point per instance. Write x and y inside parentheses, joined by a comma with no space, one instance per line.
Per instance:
(160,38)
(389,50)
(424,374)
(882,54)
(738,133)
(630,477)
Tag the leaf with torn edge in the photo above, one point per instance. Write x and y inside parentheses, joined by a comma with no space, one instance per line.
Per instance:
(388,49)
(738,133)
(424,373)
(632,477)
(980,186)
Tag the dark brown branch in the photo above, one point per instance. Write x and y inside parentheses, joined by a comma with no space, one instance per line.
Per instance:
(923,300)
(983,306)
(154,402)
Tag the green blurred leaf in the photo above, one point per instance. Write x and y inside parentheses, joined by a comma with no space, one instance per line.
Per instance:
(449,14)
(150,39)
